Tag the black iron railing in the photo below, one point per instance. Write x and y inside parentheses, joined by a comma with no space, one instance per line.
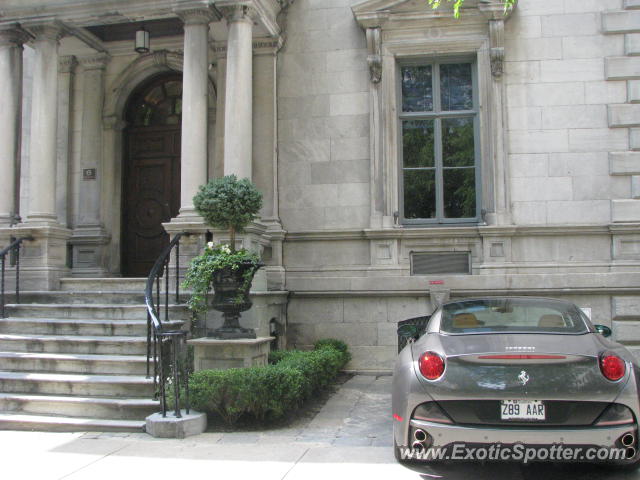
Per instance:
(13,254)
(166,347)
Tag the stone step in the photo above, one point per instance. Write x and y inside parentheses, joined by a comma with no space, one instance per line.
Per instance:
(82,297)
(104,284)
(94,344)
(97,311)
(72,326)
(74,363)
(73,384)
(14,421)
(93,407)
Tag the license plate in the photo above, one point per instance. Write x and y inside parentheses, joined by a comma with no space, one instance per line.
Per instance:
(522,410)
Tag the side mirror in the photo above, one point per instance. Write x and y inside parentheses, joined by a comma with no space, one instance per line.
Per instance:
(408,331)
(603,330)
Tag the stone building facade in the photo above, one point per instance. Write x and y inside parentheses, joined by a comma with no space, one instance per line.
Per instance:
(405,156)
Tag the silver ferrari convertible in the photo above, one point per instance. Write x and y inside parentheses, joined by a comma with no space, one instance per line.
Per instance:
(509,378)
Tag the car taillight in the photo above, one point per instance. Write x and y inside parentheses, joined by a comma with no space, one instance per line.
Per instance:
(431,365)
(612,366)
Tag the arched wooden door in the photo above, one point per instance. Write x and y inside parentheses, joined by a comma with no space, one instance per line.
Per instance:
(151,171)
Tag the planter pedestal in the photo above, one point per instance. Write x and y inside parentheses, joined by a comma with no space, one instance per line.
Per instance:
(216,354)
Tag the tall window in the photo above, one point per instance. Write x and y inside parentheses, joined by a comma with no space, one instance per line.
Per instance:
(439,180)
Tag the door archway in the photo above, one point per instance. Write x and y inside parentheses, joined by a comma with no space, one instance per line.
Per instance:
(151,171)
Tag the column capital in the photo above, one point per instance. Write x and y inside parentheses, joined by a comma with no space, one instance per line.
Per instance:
(67,64)
(195,15)
(94,62)
(51,30)
(239,13)
(13,36)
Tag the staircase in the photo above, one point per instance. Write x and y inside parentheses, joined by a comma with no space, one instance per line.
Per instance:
(75,359)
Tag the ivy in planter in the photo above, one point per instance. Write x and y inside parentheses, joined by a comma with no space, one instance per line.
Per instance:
(199,276)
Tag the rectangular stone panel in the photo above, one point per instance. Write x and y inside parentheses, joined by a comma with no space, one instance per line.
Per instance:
(624,115)
(626,307)
(621,22)
(624,163)
(625,210)
(622,68)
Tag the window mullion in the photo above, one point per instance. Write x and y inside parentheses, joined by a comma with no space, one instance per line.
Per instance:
(438,144)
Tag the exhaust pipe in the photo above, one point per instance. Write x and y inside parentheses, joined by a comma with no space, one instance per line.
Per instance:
(630,452)
(419,446)
(628,439)
(421,435)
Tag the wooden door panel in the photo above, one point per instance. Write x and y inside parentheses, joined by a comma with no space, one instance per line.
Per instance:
(151,196)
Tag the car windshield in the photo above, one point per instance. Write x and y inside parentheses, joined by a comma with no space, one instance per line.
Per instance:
(512,315)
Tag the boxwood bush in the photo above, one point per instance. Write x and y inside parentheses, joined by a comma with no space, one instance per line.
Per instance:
(268,392)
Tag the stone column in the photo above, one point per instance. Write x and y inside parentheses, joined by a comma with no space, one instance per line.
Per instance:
(193,154)
(11,41)
(238,134)
(66,71)
(89,236)
(44,121)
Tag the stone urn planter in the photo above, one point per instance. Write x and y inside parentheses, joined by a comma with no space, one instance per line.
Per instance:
(231,297)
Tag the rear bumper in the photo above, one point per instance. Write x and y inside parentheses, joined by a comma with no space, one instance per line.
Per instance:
(444,435)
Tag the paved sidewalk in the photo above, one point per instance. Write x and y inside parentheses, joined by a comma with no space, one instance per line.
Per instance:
(350,438)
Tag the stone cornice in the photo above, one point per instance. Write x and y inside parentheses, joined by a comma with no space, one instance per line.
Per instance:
(460,232)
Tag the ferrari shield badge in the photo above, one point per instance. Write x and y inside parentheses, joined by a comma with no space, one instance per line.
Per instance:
(523,377)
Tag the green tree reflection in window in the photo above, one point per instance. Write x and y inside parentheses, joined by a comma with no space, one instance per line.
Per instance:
(438,143)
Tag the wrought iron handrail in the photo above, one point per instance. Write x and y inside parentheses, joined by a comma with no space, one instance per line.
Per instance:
(165,347)
(14,248)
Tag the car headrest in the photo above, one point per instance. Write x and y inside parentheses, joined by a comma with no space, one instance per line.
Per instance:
(551,321)
(465,320)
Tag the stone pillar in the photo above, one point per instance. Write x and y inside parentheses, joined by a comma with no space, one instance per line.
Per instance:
(193,154)
(44,121)
(238,134)
(89,236)
(11,41)
(66,71)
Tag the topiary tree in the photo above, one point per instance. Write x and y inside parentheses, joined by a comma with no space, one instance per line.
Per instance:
(228,203)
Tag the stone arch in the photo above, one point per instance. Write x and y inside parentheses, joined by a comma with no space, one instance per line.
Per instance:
(117,94)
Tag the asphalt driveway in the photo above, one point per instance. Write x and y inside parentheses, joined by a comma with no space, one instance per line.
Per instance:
(349,438)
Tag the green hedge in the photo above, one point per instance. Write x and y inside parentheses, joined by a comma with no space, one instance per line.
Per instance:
(271,391)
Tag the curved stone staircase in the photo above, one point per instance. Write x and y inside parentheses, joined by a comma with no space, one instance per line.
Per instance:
(75,359)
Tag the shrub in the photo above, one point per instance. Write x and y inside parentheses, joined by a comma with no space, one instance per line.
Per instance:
(267,392)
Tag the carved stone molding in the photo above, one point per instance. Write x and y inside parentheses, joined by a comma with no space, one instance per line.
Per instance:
(496,39)
(13,36)
(196,15)
(67,64)
(261,46)
(94,62)
(51,31)
(239,13)
(374,58)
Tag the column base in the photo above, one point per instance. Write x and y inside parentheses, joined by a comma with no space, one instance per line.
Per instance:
(43,260)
